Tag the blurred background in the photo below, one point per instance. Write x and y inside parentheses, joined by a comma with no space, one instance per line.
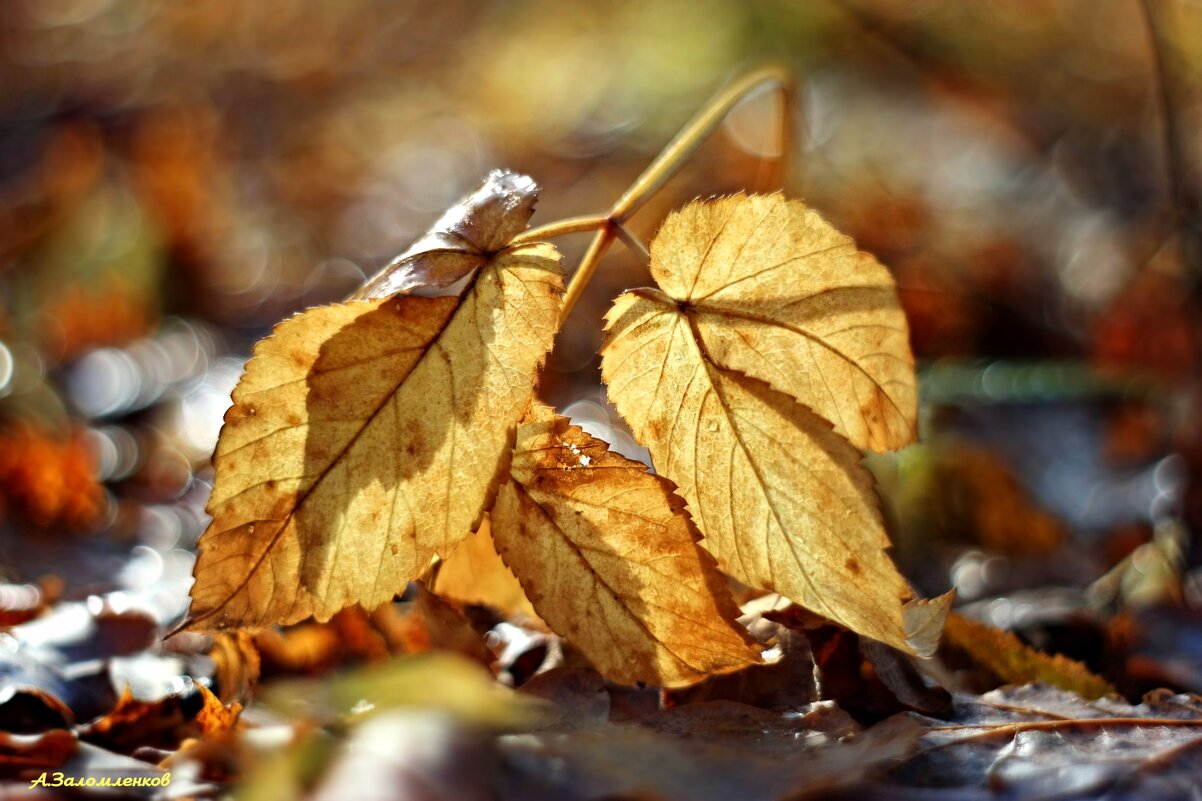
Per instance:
(177,177)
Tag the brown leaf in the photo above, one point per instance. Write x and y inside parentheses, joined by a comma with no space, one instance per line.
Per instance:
(133,723)
(1015,663)
(236,665)
(304,648)
(475,574)
(609,559)
(48,479)
(365,438)
(464,238)
(783,501)
(1040,742)
(772,290)
(21,752)
(428,623)
(215,717)
(788,682)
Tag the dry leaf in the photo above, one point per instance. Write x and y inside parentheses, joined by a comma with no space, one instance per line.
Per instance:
(772,290)
(464,238)
(428,623)
(236,665)
(304,648)
(924,619)
(134,723)
(609,560)
(31,752)
(475,574)
(49,479)
(1015,663)
(365,438)
(1040,742)
(783,501)
(215,717)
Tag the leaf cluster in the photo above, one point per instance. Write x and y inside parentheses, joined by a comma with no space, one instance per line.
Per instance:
(369,439)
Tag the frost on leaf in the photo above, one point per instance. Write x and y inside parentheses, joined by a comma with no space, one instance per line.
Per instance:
(609,559)
(774,291)
(366,437)
(464,238)
(769,321)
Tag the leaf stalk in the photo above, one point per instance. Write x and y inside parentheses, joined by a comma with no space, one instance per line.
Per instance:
(669,162)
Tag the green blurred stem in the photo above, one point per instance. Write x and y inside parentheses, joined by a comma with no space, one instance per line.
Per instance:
(669,162)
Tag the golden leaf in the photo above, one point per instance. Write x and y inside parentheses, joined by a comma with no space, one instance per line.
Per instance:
(1010,660)
(774,291)
(475,574)
(781,498)
(609,559)
(366,437)
(215,717)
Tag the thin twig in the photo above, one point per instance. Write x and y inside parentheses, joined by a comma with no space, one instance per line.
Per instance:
(588,265)
(698,129)
(673,157)
(631,241)
(571,225)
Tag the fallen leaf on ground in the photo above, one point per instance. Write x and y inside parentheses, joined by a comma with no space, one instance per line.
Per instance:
(425,623)
(48,479)
(924,619)
(1010,660)
(787,680)
(134,723)
(610,560)
(35,752)
(236,665)
(1040,742)
(215,717)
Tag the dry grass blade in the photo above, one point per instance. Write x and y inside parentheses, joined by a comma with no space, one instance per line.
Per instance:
(609,559)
